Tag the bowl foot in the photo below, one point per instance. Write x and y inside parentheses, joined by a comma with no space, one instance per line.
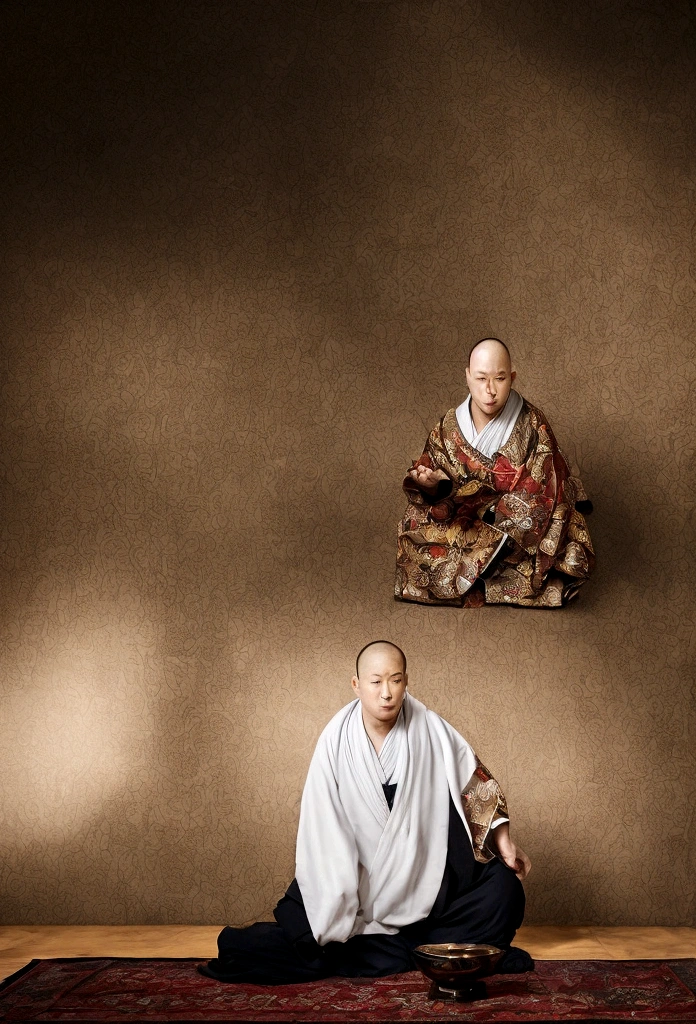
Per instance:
(468,994)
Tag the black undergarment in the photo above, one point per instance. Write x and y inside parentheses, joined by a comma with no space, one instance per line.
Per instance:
(389,793)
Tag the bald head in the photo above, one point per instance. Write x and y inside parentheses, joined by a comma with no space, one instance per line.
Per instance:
(488,349)
(489,376)
(377,650)
(380,685)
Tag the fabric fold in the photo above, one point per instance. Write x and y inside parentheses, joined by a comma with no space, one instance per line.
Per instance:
(496,432)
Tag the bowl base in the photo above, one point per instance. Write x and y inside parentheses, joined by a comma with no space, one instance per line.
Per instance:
(467,994)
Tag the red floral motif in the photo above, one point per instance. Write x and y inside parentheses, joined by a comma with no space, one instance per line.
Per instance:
(529,484)
(441,512)
(506,475)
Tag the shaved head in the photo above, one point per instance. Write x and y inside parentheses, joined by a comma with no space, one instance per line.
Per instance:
(491,347)
(489,376)
(378,647)
(380,685)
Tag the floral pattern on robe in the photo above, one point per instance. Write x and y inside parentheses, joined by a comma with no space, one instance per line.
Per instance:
(525,491)
(484,803)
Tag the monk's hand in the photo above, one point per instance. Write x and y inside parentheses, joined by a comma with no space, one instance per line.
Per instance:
(426,478)
(510,854)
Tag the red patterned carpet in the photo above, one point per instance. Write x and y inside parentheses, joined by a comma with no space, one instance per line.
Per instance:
(117,989)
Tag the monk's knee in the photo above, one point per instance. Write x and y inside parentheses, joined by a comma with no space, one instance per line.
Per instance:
(506,894)
(263,935)
(225,941)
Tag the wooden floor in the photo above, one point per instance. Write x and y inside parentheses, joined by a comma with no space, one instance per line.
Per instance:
(20,944)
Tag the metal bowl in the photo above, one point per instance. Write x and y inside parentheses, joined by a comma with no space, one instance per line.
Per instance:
(455,968)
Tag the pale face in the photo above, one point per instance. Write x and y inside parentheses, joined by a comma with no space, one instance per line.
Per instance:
(489,377)
(381,685)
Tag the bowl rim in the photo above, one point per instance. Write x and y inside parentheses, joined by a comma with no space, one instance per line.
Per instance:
(457,950)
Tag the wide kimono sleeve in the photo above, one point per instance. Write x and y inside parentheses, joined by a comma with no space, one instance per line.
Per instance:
(327,857)
(459,493)
(443,543)
(482,799)
(537,508)
(434,457)
(485,807)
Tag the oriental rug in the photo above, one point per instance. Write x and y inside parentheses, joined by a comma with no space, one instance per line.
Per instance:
(118,989)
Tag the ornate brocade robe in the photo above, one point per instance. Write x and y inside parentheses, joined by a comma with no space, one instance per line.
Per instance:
(449,540)
(484,804)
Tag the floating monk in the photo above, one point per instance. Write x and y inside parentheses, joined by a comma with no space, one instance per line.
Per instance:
(404,839)
(494,514)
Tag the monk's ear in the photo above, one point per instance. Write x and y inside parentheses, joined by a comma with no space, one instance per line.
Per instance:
(405,679)
(355,684)
(513,375)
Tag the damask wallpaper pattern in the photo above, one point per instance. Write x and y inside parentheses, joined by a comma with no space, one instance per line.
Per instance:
(247,248)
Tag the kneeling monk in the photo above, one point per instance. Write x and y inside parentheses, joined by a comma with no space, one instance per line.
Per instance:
(494,514)
(403,839)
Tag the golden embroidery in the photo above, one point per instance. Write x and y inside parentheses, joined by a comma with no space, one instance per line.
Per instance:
(448,543)
(470,487)
(550,542)
(483,802)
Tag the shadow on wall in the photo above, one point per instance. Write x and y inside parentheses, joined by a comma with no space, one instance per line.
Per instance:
(634,65)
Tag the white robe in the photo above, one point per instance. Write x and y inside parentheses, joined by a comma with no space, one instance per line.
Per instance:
(360,868)
(496,432)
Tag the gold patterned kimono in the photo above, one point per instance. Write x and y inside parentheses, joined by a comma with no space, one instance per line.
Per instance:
(510,522)
(484,803)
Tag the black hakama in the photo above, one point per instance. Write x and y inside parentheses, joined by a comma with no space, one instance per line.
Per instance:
(476,903)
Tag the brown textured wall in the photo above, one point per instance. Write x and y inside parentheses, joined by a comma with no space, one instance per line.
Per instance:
(248,246)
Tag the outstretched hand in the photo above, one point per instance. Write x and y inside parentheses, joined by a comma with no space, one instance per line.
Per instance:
(426,478)
(511,854)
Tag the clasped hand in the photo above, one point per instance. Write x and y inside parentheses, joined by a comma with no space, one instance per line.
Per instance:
(426,478)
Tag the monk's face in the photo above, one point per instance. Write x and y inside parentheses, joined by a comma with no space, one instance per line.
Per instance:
(381,685)
(489,376)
